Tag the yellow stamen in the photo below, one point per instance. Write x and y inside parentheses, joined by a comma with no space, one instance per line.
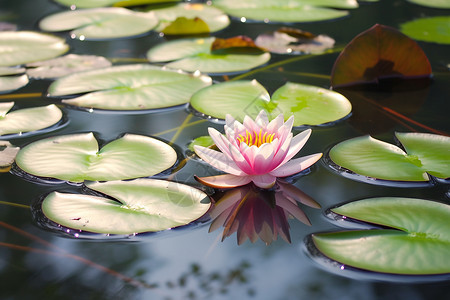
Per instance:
(256,138)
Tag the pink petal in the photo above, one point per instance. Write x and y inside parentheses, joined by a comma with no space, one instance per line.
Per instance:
(265,181)
(221,142)
(262,119)
(240,160)
(297,144)
(282,150)
(263,161)
(275,124)
(287,125)
(218,160)
(296,165)
(250,125)
(248,152)
(224,181)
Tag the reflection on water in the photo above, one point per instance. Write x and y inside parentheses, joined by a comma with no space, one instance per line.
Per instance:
(251,212)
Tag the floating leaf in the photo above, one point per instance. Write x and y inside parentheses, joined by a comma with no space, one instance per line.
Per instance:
(379,53)
(100,23)
(12,83)
(130,156)
(141,205)
(294,41)
(310,105)
(27,119)
(433,29)
(190,18)
(128,87)
(204,141)
(285,10)
(195,54)
(21,47)
(86,3)
(11,71)
(233,42)
(425,154)
(68,64)
(417,244)
(102,3)
(7,154)
(432,3)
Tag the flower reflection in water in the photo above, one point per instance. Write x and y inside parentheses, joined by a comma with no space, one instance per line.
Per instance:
(252,212)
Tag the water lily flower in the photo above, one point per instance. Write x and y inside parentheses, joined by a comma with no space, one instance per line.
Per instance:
(255,151)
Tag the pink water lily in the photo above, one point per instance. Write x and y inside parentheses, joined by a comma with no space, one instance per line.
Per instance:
(257,150)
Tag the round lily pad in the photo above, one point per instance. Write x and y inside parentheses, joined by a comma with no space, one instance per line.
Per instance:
(128,88)
(310,105)
(21,47)
(141,205)
(100,23)
(433,29)
(102,3)
(285,10)
(12,83)
(65,65)
(190,18)
(27,120)
(130,156)
(425,154)
(432,3)
(196,55)
(415,242)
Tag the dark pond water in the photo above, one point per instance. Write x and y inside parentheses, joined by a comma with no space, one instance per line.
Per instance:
(192,263)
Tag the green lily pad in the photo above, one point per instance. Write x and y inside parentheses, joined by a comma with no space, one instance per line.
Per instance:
(103,3)
(285,10)
(7,154)
(310,105)
(130,156)
(433,29)
(128,87)
(12,83)
(196,55)
(21,47)
(65,65)
(425,154)
(417,244)
(432,3)
(141,205)
(204,141)
(190,18)
(100,23)
(11,71)
(27,120)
